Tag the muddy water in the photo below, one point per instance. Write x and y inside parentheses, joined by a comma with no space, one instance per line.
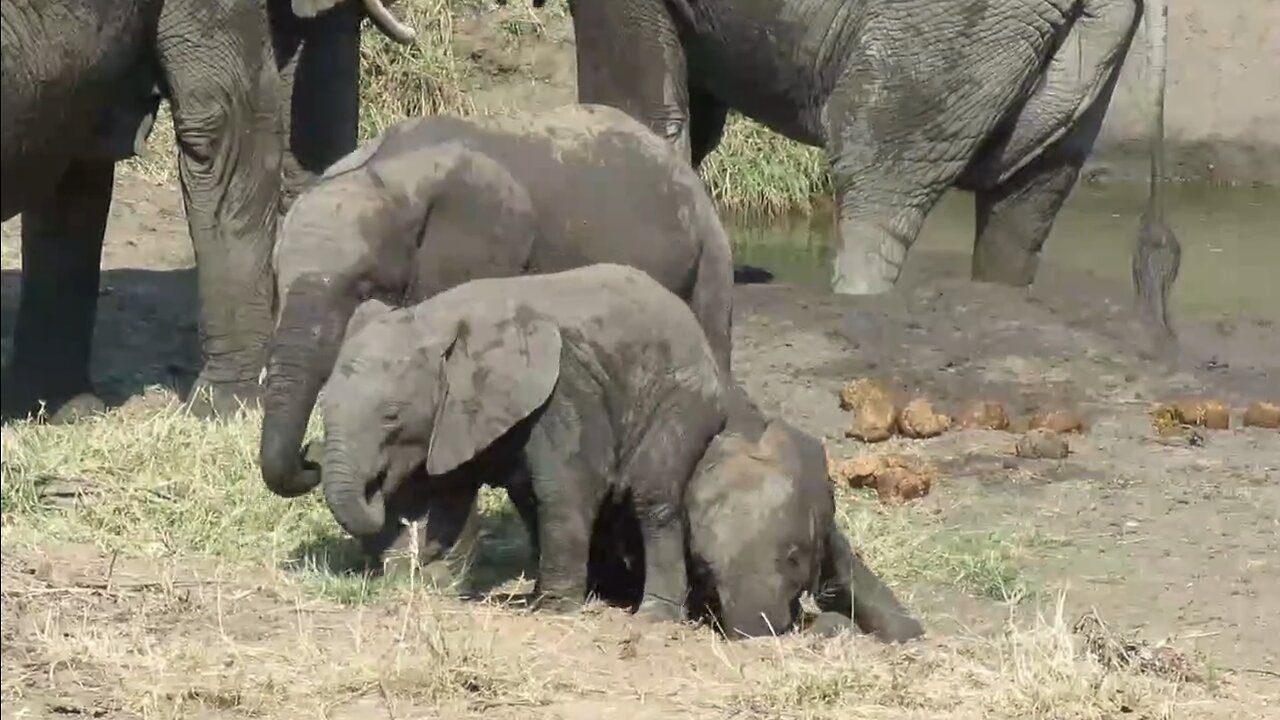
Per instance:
(1230,239)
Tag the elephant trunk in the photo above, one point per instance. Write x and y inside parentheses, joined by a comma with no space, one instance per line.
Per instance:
(874,607)
(356,501)
(310,332)
(388,24)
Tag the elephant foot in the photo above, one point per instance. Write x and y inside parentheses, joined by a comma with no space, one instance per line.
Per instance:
(77,408)
(210,400)
(829,624)
(555,603)
(437,576)
(1013,268)
(23,397)
(658,610)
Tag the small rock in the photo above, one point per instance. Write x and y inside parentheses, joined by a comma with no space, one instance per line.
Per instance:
(919,420)
(1262,414)
(1059,421)
(983,415)
(1042,443)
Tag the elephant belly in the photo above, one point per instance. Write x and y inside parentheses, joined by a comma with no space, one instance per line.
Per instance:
(775,63)
(62,63)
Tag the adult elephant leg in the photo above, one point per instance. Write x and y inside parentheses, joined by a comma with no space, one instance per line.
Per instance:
(707,117)
(882,204)
(1015,215)
(906,119)
(1014,220)
(630,57)
(319,60)
(61,259)
(217,61)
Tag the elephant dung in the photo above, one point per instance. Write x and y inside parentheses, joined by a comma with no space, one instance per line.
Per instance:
(919,420)
(1262,414)
(1042,443)
(856,392)
(874,413)
(898,485)
(1059,421)
(1203,412)
(983,415)
(896,478)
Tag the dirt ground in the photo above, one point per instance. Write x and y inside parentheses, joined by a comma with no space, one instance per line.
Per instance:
(1176,541)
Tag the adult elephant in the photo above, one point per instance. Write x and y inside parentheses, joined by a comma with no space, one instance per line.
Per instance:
(80,95)
(909,97)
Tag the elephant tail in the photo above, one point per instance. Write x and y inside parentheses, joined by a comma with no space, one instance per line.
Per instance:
(1158,254)
(712,296)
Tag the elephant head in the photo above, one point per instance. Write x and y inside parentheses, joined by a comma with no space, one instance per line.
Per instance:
(326,262)
(377,12)
(425,389)
(395,225)
(762,532)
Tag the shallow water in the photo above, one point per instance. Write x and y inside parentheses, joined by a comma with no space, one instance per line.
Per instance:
(1230,243)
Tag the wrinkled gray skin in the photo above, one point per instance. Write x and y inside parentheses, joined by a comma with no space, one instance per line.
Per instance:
(762,532)
(909,97)
(436,202)
(80,94)
(588,384)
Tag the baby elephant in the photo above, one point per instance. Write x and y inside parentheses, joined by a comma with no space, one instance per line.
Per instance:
(587,385)
(437,201)
(762,531)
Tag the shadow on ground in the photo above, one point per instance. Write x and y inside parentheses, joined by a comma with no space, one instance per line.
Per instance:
(147,330)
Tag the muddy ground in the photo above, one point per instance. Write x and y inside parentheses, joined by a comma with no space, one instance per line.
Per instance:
(1167,540)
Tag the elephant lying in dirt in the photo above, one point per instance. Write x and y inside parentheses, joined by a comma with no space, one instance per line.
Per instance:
(590,385)
(439,201)
(81,94)
(762,531)
(1001,97)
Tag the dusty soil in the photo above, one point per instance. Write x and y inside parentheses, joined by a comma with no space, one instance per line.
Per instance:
(1178,540)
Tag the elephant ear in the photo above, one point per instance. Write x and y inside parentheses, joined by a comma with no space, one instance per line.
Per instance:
(493,376)
(312,8)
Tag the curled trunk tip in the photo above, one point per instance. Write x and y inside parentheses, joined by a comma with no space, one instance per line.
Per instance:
(388,24)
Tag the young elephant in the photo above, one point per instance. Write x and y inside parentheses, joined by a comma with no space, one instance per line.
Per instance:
(438,201)
(589,385)
(762,531)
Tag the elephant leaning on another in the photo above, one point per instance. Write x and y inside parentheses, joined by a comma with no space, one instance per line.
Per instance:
(762,531)
(438,201)
(909,97)
(587,386)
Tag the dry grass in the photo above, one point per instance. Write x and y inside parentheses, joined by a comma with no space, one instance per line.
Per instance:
(754,172)
(147,573)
